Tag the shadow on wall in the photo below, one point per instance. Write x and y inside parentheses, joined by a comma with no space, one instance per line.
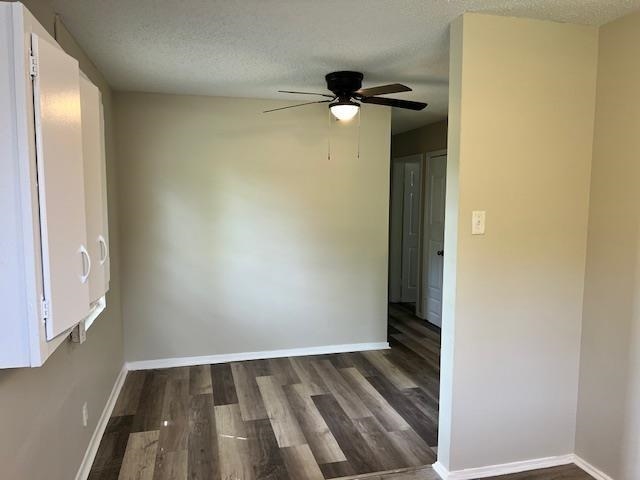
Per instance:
(430,138)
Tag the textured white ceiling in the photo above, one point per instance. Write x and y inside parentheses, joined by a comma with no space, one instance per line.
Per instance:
(252,48)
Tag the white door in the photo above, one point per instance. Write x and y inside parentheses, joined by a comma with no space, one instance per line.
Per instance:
(434,237)
(410,232)
(65,260)
(94,188)
(105,216)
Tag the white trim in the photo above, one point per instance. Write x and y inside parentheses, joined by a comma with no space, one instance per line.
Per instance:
(502,469)
(94,443)
(440,469)
(590,469)
(237,357)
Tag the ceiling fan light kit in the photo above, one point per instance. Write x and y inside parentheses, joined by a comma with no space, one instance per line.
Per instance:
(348,93)
(344,110)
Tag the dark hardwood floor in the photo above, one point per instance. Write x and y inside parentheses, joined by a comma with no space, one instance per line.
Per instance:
(350,415)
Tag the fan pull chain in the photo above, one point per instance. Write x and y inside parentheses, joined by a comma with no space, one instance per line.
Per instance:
(359,123)
(329,137)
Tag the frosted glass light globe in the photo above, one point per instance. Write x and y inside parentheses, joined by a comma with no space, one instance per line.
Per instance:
(344,112)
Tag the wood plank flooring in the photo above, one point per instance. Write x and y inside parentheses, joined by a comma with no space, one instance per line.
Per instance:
(565,472)
(351,415)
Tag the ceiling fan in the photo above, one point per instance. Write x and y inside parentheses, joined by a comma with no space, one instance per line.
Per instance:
(348,94)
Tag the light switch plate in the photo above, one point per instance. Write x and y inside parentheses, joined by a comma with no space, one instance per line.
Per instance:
(478,218)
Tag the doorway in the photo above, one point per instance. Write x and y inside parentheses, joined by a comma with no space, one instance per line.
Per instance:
(416,233)
(416,253)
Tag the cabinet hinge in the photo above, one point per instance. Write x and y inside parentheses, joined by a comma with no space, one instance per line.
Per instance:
(45,310)
(33,66)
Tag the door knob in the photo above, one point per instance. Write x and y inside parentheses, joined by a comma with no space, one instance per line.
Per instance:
(440,253)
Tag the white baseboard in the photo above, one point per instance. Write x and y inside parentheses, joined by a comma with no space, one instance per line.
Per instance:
(238,357)
(590,469)
(94,443)
(502,469)
(440,469)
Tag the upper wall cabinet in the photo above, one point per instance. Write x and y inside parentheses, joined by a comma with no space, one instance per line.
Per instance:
(95,188)
(66,262)
(54,267)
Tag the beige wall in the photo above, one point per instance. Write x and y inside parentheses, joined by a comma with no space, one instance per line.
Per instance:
(240,235)
(520,145)
(429,138)
(608,433)
(41,433)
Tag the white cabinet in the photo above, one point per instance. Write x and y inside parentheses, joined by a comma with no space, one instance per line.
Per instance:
(95,188)
(66,262)
(53,238)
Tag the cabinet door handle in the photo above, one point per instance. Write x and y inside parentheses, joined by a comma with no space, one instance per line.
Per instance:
(104,250)
(86,264)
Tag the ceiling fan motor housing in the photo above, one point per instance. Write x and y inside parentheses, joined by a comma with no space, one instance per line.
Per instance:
(343,84)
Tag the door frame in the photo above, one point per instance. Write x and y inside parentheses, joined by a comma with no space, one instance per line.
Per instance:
(424,259)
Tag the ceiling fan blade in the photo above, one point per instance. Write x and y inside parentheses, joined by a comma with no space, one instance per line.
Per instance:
(383,90)
(394,102)
(296,105)
(307,93)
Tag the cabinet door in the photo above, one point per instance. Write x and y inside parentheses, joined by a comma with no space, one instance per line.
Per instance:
(105,215)
(94,188)
(66,263)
